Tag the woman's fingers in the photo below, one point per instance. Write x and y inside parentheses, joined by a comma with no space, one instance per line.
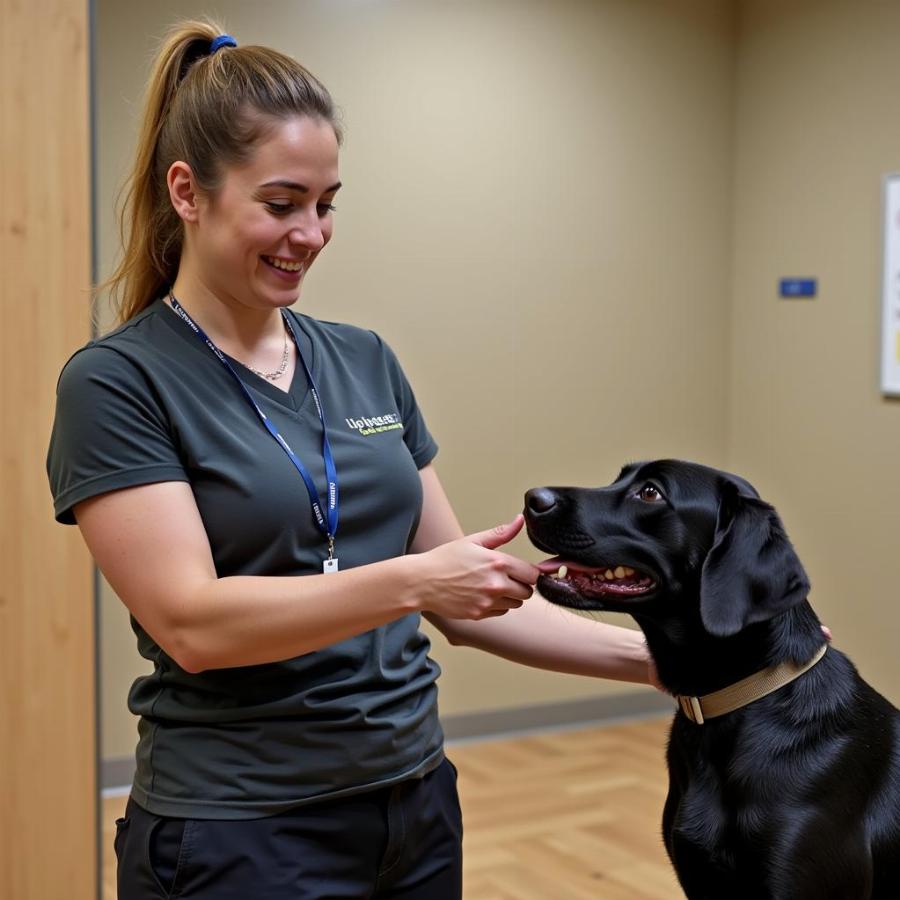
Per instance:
(471,579)
(498,535)
(516,569)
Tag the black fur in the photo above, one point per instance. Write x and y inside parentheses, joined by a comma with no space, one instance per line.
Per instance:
(794,797)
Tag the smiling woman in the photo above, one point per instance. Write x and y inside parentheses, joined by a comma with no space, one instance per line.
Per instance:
(263,226)
(256,486)
(208,115)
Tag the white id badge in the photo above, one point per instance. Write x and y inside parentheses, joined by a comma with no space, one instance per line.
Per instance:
(330,566)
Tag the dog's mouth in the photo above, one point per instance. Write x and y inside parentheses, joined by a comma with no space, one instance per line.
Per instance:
(574,583)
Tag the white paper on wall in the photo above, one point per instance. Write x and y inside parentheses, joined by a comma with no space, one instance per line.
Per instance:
(890,299)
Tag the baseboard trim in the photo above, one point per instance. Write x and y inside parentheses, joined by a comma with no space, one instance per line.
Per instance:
(117,772)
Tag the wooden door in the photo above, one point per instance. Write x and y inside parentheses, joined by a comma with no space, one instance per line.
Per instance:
(48,791)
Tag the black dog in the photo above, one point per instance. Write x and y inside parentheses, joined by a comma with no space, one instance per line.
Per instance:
(794,796)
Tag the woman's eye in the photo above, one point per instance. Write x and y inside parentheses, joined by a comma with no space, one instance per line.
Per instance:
(650,494)
(282,209)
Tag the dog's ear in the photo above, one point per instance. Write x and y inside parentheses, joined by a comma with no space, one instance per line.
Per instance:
(752,572)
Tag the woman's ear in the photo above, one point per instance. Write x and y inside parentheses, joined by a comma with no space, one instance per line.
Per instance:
(182,190)
(752,572)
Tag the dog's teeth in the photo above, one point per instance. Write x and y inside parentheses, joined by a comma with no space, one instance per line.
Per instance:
(563,571)
(600,576)
(609,574)
(628,571)
(620,572)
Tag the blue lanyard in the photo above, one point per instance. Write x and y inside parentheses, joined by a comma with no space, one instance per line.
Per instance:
(328,526)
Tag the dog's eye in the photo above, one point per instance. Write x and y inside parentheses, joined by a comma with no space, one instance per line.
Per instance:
(650,494)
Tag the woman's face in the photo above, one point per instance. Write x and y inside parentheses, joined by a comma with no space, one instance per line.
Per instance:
(255,237)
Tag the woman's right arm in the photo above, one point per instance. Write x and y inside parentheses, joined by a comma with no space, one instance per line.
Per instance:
(151,546)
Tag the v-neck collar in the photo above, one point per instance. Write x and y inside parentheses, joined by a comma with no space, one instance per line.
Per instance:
(296,398)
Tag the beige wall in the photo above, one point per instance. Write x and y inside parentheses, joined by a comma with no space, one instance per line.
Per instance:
(537,215)
(817,128)
(540,210)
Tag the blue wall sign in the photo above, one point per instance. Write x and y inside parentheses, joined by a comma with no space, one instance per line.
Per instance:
(797,287)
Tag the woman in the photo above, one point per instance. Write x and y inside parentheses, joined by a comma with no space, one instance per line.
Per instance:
(258,488)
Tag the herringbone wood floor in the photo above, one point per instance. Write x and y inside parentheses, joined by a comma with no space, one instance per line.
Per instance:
(569,815)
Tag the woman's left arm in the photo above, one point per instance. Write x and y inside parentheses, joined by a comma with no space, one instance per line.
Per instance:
(537,634)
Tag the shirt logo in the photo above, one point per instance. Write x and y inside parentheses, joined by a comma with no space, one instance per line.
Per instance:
(376,424)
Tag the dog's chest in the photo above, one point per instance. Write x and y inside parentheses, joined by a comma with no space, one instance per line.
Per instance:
(730,790)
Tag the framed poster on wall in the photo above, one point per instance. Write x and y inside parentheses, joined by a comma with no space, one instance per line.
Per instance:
(890,289)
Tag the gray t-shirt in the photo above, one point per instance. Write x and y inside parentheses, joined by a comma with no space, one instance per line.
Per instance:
(150,402)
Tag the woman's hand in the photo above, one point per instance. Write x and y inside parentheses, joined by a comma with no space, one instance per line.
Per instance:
(469,579)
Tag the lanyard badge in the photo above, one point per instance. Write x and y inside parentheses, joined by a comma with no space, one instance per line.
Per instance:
(326,520)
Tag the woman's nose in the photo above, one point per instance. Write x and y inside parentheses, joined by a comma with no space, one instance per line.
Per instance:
(309,235)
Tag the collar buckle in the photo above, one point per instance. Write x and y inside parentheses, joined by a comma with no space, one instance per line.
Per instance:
(690,706)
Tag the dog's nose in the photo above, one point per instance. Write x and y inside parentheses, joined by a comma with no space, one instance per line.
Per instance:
(539,501)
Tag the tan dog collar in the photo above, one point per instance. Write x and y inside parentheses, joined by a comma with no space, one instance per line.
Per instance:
(745,691)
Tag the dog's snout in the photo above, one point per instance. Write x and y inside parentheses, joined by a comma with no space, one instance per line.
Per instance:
(539,501)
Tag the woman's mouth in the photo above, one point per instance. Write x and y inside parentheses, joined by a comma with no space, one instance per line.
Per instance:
(289,269)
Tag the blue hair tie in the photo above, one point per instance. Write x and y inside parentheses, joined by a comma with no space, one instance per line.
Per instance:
(223,40)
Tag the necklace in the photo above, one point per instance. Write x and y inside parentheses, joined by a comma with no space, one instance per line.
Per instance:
(269,376)
(274,376)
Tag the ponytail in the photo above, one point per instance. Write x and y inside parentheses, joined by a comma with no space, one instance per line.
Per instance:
(208,103)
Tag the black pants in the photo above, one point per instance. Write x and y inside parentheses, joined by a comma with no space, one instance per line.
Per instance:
(402,842)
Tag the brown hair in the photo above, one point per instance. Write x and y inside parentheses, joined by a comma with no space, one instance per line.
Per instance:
(209,111)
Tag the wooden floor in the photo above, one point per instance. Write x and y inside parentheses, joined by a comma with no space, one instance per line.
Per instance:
(555,816)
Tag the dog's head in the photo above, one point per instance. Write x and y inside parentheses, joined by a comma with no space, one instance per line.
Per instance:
(667,539)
